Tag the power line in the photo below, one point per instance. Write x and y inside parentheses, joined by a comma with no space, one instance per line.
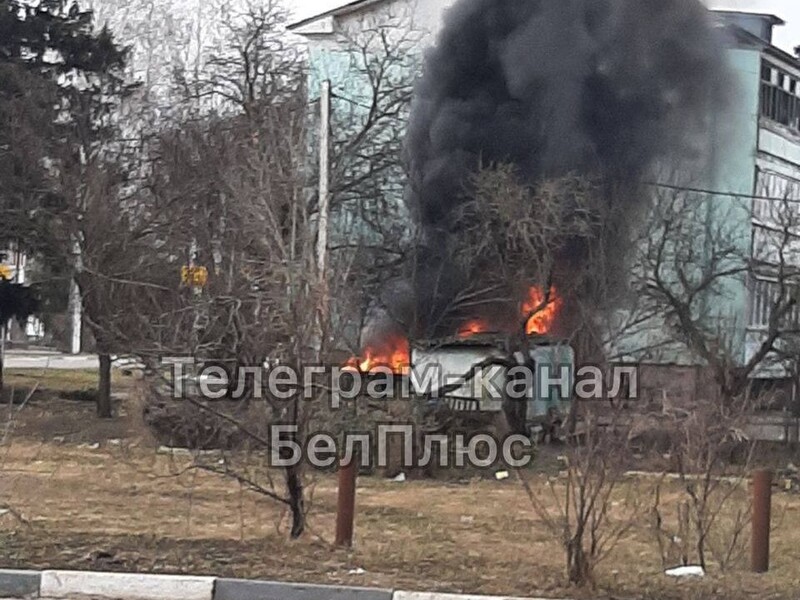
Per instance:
(350,100)
(731,195)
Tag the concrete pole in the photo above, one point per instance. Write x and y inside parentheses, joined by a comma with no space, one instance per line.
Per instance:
(75,317)
(346,503)
(324,175)
(762,508)
(75,302)
(19,277)
(324,203)
(19,265)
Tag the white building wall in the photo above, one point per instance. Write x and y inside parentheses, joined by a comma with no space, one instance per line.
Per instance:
(423,16)
(426,16)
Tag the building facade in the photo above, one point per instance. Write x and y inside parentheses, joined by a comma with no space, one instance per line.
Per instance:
(754,173)
(775,153)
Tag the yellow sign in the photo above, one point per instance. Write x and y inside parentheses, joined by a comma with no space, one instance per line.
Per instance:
(5,272)
(194,276)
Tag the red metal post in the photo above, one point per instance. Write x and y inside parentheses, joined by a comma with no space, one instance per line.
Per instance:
(762,507)
(346,503)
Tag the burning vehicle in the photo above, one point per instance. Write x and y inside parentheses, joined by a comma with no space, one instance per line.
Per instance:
(480,367)
(477,373)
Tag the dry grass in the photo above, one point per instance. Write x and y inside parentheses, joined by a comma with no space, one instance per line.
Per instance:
(77,380)
(123,506)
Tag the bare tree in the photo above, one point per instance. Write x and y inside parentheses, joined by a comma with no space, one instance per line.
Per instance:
(697,255)
(592,506)
(227,196)
(381,58)
(687,253)
(532,258)
(713,454)
(230,194)
(693,253)
(258,60)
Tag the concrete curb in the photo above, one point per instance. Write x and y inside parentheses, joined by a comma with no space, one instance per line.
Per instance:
(435,596)
(19,583)
(130,586)
(136,586)
(240,589)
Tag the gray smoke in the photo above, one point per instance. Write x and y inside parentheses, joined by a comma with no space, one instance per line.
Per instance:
(603,87)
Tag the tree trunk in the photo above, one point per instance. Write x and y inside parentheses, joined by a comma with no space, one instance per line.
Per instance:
(294,485)
(516,412)
(104,388)
(579,569)
(516,409)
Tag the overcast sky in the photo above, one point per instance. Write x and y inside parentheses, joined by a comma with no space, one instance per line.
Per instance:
(787,37)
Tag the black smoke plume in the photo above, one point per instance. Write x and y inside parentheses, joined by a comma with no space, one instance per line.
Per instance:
(602,87)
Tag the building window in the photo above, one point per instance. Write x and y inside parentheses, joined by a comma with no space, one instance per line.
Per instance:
(777,200)
(779,97)
(776,219)
(764,297)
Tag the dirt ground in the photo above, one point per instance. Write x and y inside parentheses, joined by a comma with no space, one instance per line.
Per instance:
(84,494)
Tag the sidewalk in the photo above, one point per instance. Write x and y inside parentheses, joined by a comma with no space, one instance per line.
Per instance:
(43,359)
(32,351)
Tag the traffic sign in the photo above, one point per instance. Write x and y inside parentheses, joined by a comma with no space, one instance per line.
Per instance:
(194,276)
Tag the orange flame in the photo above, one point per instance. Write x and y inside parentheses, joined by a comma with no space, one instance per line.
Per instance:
(543,310)
(393,352)
(473,328)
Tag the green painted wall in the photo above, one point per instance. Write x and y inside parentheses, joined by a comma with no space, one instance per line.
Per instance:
(352,97)
(734,171)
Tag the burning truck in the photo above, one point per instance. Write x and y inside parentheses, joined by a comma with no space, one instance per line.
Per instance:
(475,374)
(473,370)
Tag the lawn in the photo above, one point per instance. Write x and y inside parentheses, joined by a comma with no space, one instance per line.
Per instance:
(76,380)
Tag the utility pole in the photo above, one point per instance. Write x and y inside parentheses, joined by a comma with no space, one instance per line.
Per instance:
(345,512)
(75,303)
(324,200)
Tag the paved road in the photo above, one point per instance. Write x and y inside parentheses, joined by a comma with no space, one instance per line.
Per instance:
(23,359)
